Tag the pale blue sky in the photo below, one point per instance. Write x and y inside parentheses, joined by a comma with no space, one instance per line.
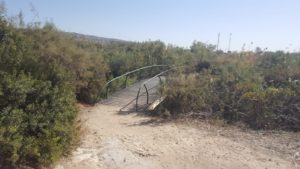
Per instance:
(267,23)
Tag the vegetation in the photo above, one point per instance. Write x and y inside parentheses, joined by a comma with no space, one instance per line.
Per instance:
(259,89)
(37,103)
(44,73)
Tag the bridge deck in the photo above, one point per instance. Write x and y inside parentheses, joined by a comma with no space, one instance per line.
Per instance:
(126,98)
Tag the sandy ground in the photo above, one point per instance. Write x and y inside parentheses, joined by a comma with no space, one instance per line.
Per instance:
(114,140)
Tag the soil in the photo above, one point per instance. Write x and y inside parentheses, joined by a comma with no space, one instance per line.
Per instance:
(117,140)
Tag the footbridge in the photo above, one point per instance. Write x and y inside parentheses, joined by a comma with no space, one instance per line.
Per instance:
(139,95)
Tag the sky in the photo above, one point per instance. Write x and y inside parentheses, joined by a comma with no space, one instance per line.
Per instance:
(272,24)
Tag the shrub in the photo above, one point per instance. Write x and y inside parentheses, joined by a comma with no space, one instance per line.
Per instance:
(202,65)
(263,93)
(86,67)
(272,108)
(37,105)
(183,94)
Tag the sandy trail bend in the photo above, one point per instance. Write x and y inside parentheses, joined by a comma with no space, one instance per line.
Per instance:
(132,141)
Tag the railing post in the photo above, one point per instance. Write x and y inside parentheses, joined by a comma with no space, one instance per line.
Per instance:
(126,81)
(106,93)
(137,100)
(147,93)
(151,71)
(160,79)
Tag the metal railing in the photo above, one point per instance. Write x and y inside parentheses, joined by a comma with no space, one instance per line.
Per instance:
(107,85)
(143,85)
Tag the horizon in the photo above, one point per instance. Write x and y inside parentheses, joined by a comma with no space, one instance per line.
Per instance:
(266,24)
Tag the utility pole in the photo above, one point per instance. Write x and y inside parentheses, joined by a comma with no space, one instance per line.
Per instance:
(218,41)
(250,46)
(229,43)
(243,47)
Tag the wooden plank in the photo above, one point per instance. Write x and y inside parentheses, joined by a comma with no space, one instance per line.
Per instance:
(156,103)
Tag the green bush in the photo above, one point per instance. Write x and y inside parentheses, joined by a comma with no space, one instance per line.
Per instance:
(272,108)
(184,96)
(36,120)
(86,67)
(37,105)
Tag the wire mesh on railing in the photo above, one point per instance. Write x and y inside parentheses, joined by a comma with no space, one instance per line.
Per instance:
(145,85)
(131,77)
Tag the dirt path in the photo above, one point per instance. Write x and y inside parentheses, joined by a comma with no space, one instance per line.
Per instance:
(114,140)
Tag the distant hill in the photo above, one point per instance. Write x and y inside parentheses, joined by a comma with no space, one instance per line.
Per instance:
(95,39)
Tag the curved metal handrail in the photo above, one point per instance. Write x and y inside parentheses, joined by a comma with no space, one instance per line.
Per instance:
(127,74)
(144,84)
